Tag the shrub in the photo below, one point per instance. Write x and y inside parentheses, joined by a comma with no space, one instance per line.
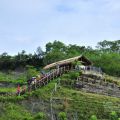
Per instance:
(93,117)
(62,116)
(40,116)
(74,75)
(30,71)
(113,115)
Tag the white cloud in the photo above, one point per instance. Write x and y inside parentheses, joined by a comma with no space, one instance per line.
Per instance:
(36,22)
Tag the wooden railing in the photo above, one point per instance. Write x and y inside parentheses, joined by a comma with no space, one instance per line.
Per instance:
(93,70)
(41,82)
(46,79)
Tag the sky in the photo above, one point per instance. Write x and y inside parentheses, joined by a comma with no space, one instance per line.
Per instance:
(27,24)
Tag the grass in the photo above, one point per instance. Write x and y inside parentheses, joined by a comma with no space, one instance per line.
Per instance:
(70,101)
(85,104)
(13,78)
(8,89)
(65,99)
(112,79)
(12,111)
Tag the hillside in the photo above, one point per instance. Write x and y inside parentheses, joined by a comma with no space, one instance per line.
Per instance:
(66,97)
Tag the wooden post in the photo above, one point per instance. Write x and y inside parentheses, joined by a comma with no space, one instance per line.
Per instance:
(53,75)
(64,69)
(47,79)
(60,71)
(51,109)
(50,75)
(55,87)
(68,68)
(35,84)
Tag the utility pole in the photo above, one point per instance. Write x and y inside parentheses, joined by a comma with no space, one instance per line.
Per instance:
(51,107)
(51,97)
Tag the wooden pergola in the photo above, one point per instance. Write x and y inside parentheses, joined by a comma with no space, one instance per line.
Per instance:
(68,62)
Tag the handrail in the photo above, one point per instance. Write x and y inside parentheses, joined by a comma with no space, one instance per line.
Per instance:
(48,77)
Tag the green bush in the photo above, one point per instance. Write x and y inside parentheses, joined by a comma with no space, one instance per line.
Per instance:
(40,116)
(113,116)
(62,116)
(74,75)
(31,71)
(93,117)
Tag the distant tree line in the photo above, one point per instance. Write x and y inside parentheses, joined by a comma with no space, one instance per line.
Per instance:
(20,60)
(106,55)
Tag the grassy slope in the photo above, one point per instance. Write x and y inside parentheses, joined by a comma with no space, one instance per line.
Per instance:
(12,78)
(12,111)
(70,101)
(85,104)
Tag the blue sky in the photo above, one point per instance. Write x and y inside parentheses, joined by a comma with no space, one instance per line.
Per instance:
(27,24)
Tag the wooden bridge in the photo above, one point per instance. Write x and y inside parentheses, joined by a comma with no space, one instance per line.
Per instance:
(47,78)
(44,81)
(61,70)
(41,82)
(50,76)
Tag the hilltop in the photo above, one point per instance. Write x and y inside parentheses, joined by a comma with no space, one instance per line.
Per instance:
(74,93)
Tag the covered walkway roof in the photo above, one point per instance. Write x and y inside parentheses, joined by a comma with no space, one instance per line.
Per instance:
(81,58)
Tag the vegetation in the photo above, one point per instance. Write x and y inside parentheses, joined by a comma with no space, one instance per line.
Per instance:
(93,117)
(106,55)
(31,71)
(40,116)
(13,111)
(13,77)
(68,103)
(113,116)
(62,116)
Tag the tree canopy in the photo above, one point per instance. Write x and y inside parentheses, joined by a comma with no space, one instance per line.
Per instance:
(106,55)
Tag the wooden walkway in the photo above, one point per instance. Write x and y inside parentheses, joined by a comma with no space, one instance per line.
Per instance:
(47,78)
(41,82)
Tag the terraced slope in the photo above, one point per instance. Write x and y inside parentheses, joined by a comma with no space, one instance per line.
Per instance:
(98,84)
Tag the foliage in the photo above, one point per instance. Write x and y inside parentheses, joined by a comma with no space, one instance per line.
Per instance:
(40,116)
(31,72)
(13,78)
(76,63)
(113,116)
(85,104)
(74,75)
(109,62)
(106,55)
(14,112)
(93,117)
(20,60)
(62,116)
(109,46)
